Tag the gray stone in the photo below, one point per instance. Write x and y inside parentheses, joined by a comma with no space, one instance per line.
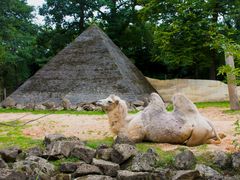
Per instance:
(40,107)
(186,175)
(95,177)
(88,107)
(185,160)
(20,106)
(30,106)
(235,177)
(236,160)
(108,168)
(121,139)
(104,152)
(60,148)
(83,153)
(85,169)
(128,175)
(3,164)
(208,173)
(9,103)
(34,165)
(138,103)
(62,177)
(66,104)
(10,154)
(122,152)
(69,167)
(144,161)
(35,151)
(163,174)
(221,159)
(8,174)
(53,137)
(49,105)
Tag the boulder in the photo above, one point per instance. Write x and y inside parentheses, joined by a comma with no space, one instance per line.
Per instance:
(108,168)
(66,104)
(83,153)
(185,160)
(88,107)
(10,154)
(221,159)
(208,173)
(20,106)
(186,174)
(85,169)
(39,107)
(121,139)
(30,106)
(128,175)
(163,173)
(9,103)
(52,137)
(144,161)
(60,148)
(8,174)
(62,177)
(35,151)
(69,167)
(122,152)
(3,164)
(104,152)
(95,177)
(236,160)
(49,105)
(138,103)
(35,166)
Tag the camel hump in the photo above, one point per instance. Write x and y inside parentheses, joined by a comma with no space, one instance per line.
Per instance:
(156,100)
(182,104)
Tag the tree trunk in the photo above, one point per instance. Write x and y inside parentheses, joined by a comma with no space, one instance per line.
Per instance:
(231,78)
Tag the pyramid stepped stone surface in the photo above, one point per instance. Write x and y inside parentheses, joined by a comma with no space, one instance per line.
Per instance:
(90,68)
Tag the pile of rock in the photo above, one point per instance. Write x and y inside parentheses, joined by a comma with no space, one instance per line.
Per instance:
(120,161)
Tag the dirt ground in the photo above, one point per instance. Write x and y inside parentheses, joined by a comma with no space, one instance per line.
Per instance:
(88,127)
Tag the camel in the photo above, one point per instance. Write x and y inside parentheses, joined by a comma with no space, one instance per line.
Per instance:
(184,125)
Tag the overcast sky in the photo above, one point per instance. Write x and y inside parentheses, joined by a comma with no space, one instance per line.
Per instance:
(36,4)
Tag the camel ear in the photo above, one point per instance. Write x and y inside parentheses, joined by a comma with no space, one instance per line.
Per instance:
(117,102)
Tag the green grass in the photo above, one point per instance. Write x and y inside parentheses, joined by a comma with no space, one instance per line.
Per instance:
(57,163)
(95,143)
(51,112)
(13,136)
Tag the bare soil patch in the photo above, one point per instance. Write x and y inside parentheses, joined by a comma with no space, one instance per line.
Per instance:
(88,127)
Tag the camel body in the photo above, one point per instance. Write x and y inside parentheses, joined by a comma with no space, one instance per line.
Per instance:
(184,125)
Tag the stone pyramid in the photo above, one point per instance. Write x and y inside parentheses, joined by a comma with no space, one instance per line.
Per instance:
(90,68)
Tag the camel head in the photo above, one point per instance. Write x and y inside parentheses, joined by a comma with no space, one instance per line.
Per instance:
(110,103)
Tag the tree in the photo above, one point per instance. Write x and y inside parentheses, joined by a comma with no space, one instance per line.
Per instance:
(17,36)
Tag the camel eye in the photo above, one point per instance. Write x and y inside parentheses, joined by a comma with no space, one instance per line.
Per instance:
(109,102)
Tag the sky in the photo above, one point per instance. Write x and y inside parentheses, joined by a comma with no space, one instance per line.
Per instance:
(36,3)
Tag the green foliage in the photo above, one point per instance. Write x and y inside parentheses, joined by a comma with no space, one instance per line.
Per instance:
(13,136)
(236,141)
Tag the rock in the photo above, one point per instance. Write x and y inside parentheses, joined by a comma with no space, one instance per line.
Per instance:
(66,103)
(49,105)
(144,161)
(95,177)
(121,139)
(104,152)
(62,177)
(108,168)
(79,108)
(9,103)
(122,152)
(138,103)
(35,151)
(3,164)
(40,107)
(128,175)
(186,175)
(60,148)
(83,153)
(29,106)
(208,173)
(140,108)
(10,154)
(85,169)
(236,160)
(185,160)
(20,106)
(52,137)
(34,165)
(8,174)
(69,167)
(58,108)
(88,107)
(221,159)
(235,177)
(163,173)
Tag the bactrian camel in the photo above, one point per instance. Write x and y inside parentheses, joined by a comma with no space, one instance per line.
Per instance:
(184,125)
